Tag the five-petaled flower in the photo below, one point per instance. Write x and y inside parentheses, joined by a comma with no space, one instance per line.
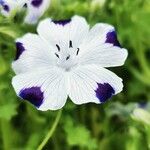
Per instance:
(67,59)
(35,8)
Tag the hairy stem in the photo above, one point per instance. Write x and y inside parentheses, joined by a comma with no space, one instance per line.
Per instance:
(51,131)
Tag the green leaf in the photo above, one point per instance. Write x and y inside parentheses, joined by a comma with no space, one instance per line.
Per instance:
(8,111)
(8,31)
(79,135)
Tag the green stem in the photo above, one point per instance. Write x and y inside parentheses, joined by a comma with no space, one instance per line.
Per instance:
(5,127)
(5,134)
(51,131)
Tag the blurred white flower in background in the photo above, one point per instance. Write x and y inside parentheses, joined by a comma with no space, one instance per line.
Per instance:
(9,6)
(34,8)
(141,115)
(98,3)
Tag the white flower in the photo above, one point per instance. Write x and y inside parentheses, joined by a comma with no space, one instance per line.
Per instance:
(67,59)
(8,6)
(142,115)
(35,8)
(98,3)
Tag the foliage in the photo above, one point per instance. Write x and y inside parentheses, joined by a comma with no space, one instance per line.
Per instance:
(78,135)
(115,125)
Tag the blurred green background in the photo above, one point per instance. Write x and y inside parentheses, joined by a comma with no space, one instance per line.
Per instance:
(123,123)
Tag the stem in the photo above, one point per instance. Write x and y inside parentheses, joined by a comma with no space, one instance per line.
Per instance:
(5,127)
(5,134)
(51,131)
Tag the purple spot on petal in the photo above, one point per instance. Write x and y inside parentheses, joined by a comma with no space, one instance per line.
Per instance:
(36,3)
(111,37)
(62,22)
(6,7)
(34,95)
(20,48)
(104,92)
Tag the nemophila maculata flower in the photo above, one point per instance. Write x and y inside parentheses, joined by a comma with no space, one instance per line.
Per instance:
(67,59)
(34,8)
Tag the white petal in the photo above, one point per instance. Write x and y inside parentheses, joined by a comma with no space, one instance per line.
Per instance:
(105,56)
(92,83)
(102,47)
(46,88)
(61,32)
(98,33)
(32,52)
(36,8)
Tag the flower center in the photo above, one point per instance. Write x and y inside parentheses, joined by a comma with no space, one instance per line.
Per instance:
(67,58)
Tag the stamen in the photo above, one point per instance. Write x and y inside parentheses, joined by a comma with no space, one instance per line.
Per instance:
(25,5)
(77,51)
(67,57)
(70,44)
(58,47)
(57,55)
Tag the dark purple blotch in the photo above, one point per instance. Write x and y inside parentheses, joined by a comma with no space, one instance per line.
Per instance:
(104,92)
(20,49)
(111,38)
(6,7)
(36,3)
(62,22)
(34,95)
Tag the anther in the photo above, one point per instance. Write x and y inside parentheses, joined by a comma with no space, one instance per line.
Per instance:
(67,57)
(70,44)
(57,55)
(25,5)
(58,47)
(77,51)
